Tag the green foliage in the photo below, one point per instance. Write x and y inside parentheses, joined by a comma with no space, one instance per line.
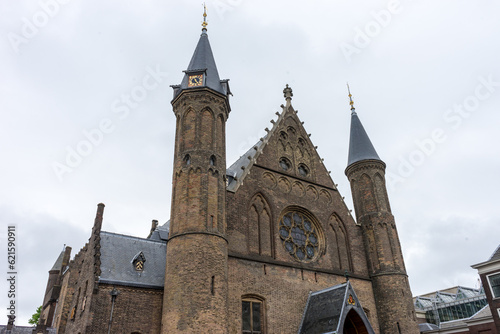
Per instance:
(35,316)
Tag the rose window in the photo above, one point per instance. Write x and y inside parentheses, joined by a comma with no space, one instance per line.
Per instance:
(299,236)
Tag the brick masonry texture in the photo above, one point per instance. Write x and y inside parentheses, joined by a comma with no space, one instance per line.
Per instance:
(195,298)
(385,260)
(225,246)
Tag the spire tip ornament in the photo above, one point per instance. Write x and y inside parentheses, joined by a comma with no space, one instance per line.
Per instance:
(287,92)
(351,102)
(204,24)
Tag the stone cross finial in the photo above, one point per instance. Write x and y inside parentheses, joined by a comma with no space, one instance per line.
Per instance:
(287,92)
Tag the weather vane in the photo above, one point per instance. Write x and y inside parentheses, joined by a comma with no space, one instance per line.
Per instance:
(350,98)
(204,24)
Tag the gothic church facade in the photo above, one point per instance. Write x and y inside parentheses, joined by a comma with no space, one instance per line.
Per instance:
(266,245)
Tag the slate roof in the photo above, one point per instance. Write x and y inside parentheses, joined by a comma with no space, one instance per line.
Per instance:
(58,264)
(496,255)
(117,253)
(323,310)
(203,62)
(161,232)
(236,171)
(326,310)
(360,146)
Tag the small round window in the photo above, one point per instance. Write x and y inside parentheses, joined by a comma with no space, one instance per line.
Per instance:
(300,236)
(285,164)
(303,170)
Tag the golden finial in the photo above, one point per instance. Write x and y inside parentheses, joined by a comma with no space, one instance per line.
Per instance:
(350,98)
(204,24)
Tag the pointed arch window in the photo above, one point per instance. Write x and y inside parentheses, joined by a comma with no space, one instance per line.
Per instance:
(187,160)
(84,302)
(252,315)
(259,227)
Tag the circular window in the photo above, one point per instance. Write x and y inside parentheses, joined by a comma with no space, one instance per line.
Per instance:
(285,164)
(303,170)
(299,235)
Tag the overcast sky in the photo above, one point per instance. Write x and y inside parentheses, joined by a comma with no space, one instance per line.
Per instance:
(86,115)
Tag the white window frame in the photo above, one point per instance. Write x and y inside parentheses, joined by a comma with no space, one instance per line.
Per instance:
(489,284)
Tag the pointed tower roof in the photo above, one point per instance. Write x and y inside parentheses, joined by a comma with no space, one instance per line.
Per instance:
(360,146)
(58,264)
(203,63)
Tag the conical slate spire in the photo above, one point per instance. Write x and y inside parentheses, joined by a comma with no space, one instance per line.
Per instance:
(203,66)
(360,146)
(58,264)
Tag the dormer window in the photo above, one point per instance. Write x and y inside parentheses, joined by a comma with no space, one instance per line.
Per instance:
(138,262)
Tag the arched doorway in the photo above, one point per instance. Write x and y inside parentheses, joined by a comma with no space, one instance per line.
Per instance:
(353,324)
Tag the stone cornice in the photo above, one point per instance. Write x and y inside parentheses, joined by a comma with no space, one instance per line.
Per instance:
(365,165)
(197,232)
(203,93)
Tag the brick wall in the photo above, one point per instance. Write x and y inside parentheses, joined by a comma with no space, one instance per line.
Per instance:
(285,290)
(392,292)
(493,302)
(135,310)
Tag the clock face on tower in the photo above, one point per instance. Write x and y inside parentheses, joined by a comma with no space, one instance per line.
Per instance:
(195,80)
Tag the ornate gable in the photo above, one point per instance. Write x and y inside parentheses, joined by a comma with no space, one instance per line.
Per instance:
(286,149)
(283,204)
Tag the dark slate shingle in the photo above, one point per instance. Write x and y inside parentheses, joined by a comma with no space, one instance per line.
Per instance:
(117,253)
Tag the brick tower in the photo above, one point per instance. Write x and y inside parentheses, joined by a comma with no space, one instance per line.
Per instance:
(195,295)
(366,173)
